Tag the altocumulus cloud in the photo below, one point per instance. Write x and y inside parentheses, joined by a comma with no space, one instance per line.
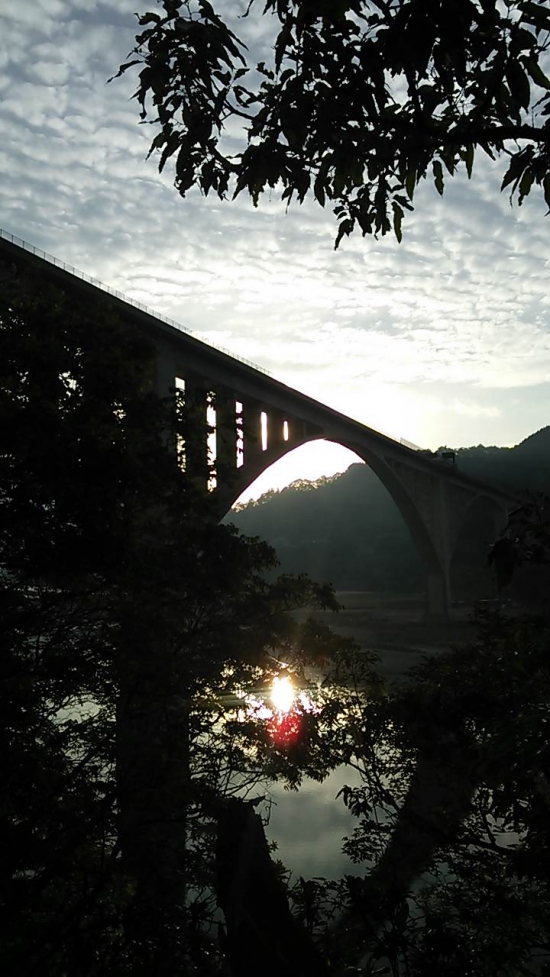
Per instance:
(443,339)
(471,409)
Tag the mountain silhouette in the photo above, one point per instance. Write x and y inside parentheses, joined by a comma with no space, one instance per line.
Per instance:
(347,528)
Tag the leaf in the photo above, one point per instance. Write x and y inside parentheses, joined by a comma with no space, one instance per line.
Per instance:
(283,41)
(357,174)
(520,164)
(448,159)
(410,183)
(403,201)
(537,74)
(518,83)
(149,18)
(302,183)
(319,192)
(536,14)
(397,219)
(525,185)
(158,141)
(513,172)
(469,159)
(339,183)
(438,177)
(207,10)
(123,68)
(346,227)
(546,187)
(487,149)
(522,40)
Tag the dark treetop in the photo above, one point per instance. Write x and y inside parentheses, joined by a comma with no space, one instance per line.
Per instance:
(362,99)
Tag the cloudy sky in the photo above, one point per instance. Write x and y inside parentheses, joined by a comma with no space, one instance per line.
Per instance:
(444,339)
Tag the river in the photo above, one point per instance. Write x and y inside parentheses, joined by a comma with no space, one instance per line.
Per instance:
(309,825)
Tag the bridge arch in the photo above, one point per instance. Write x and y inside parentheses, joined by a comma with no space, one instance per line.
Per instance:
(437,578)
(409,511)
(245,476)
(252,434)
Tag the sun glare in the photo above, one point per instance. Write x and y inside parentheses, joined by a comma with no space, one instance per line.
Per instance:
(282,693)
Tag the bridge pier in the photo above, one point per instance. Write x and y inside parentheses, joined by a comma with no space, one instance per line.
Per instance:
(437,519)
(226,437)
(196,432)
(251,432)
(164,376)
(438,594)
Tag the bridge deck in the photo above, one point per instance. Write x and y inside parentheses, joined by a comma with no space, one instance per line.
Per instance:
(224,367)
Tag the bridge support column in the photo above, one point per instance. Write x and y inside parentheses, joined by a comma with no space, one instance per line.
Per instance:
(275,431)
(226,438)
(165,376)
(438,578)
(196,432)
(252,432)
(163,382)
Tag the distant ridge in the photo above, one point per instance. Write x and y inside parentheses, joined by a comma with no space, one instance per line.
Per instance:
(538,443)
(347,529)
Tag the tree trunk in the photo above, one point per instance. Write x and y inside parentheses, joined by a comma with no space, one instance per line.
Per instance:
(153,796)
(262,935)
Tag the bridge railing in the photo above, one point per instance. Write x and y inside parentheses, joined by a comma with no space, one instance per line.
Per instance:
(52,260)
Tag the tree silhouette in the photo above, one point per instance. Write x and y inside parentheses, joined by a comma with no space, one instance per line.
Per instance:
(129,619)
(364,98)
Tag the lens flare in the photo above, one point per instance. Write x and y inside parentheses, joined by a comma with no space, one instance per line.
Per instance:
(282,693)
(285,729)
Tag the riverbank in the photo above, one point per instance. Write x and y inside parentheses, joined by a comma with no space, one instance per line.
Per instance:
(395,627)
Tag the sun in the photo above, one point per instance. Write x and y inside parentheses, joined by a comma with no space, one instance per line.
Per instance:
(282,693)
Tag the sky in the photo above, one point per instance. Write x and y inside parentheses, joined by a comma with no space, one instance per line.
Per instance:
(442,339)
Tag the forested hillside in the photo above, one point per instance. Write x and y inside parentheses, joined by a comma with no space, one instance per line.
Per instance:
(347,528)
(525,466)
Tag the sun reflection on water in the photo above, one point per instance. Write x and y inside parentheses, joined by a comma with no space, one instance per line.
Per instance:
(282,706)
(282,693)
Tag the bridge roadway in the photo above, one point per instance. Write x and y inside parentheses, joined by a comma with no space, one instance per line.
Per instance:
(257,419)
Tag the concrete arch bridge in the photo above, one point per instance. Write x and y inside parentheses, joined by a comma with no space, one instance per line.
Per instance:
(257,420)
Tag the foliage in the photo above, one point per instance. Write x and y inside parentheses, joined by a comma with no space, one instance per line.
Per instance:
(529,526)
(526,539)
(452,840)
(128,616)
(138,643)
(363,100)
